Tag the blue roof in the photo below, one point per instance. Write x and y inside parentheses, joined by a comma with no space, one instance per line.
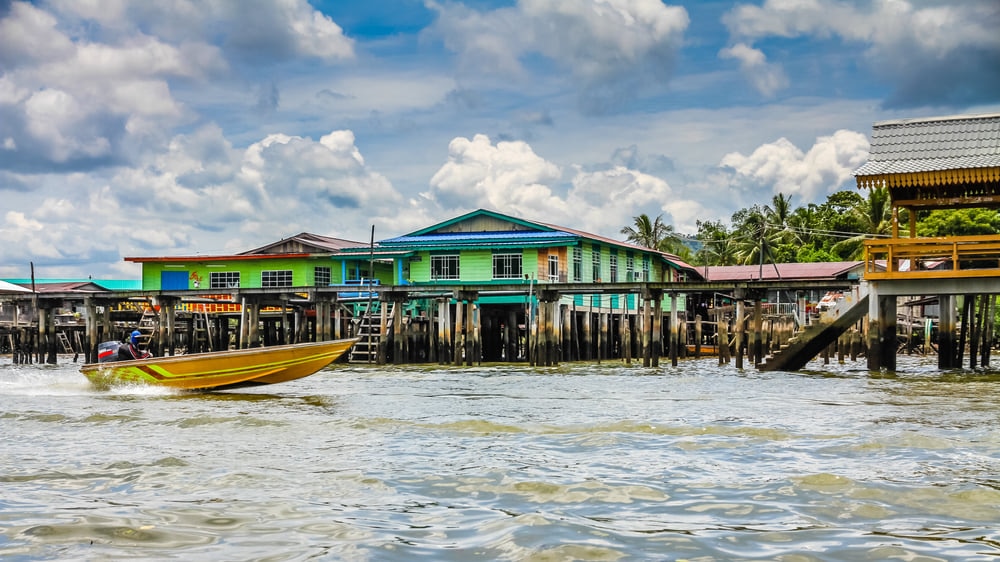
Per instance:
(505,238)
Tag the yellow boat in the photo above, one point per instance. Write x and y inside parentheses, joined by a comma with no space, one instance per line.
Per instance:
(221,369)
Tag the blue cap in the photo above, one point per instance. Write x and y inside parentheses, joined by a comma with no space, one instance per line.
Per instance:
(135,336)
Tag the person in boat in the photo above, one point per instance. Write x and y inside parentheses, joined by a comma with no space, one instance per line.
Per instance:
(130,349)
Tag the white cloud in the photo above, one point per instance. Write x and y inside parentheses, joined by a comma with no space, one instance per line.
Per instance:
(906,41)
(510,178)
(507,177)
(766,78)
(613,48)
(781,167)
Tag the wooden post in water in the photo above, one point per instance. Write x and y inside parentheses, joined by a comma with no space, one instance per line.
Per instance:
(946,333)
(603,336)
(398,330)
(738,327)
(674,330)
(472,337)
(459,329)
(91,327)
(657,327)
(647,332)
(697,336)
(988,330)
(758,331)
(722,340)
(565,334)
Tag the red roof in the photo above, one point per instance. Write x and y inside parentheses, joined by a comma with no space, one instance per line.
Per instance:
(783,271)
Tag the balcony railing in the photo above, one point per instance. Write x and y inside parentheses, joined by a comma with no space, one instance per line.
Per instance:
(932,258)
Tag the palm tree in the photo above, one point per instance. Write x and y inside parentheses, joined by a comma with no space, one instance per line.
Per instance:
(654,234)
(874,217)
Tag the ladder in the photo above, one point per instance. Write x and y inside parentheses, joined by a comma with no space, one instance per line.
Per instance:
(370,332)
(201,339)
(149,323)
(64,342)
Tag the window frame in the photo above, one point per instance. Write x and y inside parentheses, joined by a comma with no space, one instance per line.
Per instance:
(504,265)
(224,280)
(442,263)
(276,278)
(326,272)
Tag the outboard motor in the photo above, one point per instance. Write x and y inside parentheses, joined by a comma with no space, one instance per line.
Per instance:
(108,351)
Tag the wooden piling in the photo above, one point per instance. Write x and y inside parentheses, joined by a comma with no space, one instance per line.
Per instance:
(738,328)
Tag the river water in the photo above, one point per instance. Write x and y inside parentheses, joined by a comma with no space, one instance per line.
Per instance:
(585,462)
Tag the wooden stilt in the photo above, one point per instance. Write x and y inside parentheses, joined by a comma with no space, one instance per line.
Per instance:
(738,327)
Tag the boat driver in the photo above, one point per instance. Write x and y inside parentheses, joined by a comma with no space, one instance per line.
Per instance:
(130,350)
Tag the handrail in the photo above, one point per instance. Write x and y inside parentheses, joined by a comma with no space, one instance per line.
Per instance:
(940,257)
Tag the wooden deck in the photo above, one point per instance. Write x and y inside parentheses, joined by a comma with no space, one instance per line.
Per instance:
(951,257)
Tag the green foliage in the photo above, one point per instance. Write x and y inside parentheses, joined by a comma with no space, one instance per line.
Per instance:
(959,222)
(831,231)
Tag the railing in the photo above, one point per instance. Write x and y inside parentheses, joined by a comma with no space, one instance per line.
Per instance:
(932,258)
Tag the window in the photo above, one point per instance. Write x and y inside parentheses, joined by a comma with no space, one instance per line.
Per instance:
(596,261)
(645,269)
(321,276)
(553,268)
(506,266)
(629,268)
(444,267)
(224,280)
(578,264)
(279,278)
(613,262)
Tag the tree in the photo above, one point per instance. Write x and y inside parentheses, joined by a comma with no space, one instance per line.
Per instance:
(654,234)
(959,222)
(717,247)
(872,217)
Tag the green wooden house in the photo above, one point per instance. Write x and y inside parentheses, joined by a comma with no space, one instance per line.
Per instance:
(485,247)
(303,260)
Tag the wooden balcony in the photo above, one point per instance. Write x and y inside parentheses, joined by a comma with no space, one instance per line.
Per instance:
(950,257)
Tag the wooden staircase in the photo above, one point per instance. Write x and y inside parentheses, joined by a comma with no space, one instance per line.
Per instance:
(370,331)
(811,341)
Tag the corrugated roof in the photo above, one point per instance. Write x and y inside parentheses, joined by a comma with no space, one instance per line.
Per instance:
(783,271)
(6,287)
(931,144)
(478,238)
(306,242)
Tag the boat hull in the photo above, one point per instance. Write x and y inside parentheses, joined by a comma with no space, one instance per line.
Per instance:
(224,369)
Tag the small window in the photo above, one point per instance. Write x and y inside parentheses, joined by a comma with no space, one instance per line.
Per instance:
(507,266)
(630,268)
(553,268)
(596,264)
(224,280)
(444,267)
(578,264)
(279,278)
(613,262)
(321,276)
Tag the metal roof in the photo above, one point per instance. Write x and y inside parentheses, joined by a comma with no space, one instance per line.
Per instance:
(511,237)
(932,144)
(6,287)
(306,242)
(783,271)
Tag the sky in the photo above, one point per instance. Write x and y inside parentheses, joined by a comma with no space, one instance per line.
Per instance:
(186,127)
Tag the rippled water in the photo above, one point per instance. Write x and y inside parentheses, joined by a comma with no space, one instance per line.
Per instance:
(585,462)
